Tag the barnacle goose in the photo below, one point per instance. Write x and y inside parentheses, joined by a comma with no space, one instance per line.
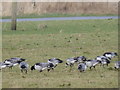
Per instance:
(92,63)
(24,67)
(80,59)
(42,66)
(110,54)
(70,62)
(82,67)
(100,58)
(13,61)
(55,61)
(10,64)
(103,60)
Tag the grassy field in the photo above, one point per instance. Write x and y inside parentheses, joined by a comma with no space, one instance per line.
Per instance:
(39,41)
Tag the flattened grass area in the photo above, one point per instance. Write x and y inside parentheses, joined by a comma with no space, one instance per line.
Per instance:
(41,40)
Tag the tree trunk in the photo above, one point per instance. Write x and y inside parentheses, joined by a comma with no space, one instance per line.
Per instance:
(14,13)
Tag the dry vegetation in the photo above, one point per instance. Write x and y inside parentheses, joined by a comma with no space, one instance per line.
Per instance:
(62,8)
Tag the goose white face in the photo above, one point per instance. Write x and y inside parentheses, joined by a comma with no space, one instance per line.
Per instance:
(7,62)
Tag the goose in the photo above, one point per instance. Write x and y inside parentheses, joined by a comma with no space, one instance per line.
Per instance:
(100,58)
(13,62)
(110,54)
(70,62)
(82,67)
(10,63)
(103,60)
(91,63)
(23,67)
(42,66)
(117,65)
(55,61)
(80,59)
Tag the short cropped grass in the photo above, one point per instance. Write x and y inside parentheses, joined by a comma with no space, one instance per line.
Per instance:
(39,41)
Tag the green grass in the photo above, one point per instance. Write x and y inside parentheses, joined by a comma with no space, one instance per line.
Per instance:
(61,39)
(55,15)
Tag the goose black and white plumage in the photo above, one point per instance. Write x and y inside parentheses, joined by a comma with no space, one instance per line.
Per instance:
(117,65)
(103,60)
(17,59)
(13,61)
(55,61)
(42,66)
(24,67)
(92,63)
(110,54)
(70,62)
(80,59)
(82,67)
(100,58)
(10,64)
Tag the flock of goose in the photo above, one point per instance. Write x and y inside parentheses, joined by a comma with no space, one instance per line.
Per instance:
(83,63)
